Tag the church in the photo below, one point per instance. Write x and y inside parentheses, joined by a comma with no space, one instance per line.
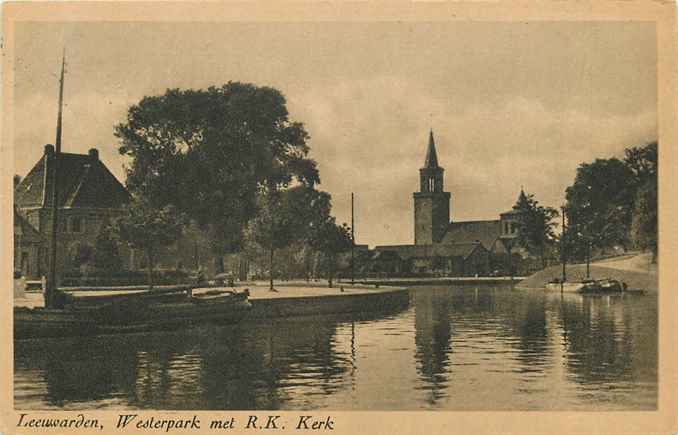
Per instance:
(446,247)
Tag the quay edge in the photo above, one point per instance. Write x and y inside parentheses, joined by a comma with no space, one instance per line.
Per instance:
(388,299)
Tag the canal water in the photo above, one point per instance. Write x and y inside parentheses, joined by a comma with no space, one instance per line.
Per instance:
(454,348)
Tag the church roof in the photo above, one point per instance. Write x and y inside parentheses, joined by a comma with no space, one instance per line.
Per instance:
(485,232)
(83,181)
(463,250)
(431,155)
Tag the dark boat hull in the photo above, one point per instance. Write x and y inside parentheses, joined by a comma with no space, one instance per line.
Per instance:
(125,318)
(588,287)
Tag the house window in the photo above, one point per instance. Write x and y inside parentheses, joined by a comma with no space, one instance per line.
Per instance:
(77,224)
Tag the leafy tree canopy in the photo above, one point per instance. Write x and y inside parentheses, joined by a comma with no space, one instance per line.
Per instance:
(208,152)
(287,216)
(536,224)
(600,201)
(331,240)
(614,201)
(149,228)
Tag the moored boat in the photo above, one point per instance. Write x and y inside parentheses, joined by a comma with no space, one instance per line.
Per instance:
(565,287)
(588,286)
(129,313)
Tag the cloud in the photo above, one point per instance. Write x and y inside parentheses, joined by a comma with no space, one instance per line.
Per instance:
(370,138)
(511,104)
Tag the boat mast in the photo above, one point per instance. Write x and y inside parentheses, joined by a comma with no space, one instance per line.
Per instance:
(51,284)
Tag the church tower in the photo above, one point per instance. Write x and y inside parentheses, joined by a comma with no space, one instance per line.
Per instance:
(431,203)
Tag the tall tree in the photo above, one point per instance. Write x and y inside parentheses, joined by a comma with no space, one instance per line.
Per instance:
(599,205)
(331,240)
(274,227)
(614,202)
(643,163)
(536,225)
(208,153)
(148,228)
(286,217)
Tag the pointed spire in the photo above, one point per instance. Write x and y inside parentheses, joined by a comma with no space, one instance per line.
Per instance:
(431,156)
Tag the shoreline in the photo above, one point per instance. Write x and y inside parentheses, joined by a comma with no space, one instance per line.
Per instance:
(287,301)
(450,280)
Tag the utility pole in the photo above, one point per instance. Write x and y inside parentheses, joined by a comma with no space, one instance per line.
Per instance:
(51,284)
(352,240)
(588,259)
(563,257)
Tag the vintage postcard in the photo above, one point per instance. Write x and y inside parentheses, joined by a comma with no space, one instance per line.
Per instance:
(392,217)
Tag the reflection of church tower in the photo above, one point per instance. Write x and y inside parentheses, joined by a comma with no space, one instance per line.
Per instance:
(433,340)
(431,204)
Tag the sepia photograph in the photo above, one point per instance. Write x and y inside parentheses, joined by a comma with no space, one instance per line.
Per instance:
(366,215)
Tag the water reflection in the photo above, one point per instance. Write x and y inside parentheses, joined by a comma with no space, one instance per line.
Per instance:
(433,340)
(599,338)
(454,348)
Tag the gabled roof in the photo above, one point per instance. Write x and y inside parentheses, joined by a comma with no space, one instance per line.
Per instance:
(485,232)
(431,155)
(83,181)
(24,228)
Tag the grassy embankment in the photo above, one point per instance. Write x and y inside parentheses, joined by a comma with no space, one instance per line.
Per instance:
(636,271)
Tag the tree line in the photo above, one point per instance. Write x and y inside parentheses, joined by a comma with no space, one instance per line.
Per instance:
(612,203)
(230,160)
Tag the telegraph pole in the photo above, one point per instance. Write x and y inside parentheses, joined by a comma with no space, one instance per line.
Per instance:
(51,284)
(352,240)
(563,258)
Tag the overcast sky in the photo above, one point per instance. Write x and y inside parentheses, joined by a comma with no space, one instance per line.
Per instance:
(510,104)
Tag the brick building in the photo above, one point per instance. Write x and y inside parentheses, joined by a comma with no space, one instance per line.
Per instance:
(449,247)
(28,246)
(89,197)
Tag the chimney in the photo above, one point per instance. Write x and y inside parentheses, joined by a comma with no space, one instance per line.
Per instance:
(49,149)
(94,153)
